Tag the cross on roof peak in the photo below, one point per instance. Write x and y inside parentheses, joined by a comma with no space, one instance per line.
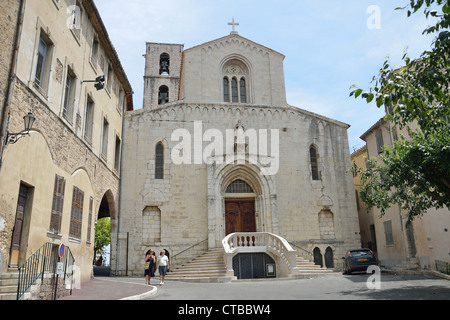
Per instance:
(233,24)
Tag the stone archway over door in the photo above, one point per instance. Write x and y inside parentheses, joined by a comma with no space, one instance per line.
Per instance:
(263,194)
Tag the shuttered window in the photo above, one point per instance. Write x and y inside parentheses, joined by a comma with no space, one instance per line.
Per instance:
(89,228)
(379,138)
(76,216)
(388,233)
(57,206)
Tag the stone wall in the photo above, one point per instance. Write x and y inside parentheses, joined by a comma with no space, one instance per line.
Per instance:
(45,290)
(8,21)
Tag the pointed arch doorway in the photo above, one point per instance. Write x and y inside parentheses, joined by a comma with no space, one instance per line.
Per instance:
(256,199)
(239,208)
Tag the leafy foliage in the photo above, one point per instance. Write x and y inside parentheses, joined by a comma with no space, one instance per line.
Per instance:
(415,172)
(102,234)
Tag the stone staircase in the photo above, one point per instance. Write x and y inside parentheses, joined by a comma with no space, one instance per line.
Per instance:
(8,284)
(307,269)
(210,267)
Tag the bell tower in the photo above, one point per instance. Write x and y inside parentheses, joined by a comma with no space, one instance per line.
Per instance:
(162,73)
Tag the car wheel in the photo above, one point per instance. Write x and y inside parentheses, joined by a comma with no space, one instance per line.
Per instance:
(347,270)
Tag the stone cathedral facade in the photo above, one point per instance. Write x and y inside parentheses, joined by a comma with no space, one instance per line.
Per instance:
(217,149)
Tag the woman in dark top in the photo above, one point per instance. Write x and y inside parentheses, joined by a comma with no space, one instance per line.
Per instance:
(149,265)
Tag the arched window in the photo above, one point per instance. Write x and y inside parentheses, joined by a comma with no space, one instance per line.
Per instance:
(234,90)
(314,164)
(226,89)
(236,72)
(239,186)
(243,90)
(163,95)
(164,64)
(159,161)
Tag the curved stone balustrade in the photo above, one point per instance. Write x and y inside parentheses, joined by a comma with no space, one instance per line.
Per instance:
(251,242)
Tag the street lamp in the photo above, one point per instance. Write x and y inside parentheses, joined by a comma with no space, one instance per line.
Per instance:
(99,82)
(28,121)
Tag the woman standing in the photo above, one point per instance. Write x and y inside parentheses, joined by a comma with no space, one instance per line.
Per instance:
(163,262)
(149,266)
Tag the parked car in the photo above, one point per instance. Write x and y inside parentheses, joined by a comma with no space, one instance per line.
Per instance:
(358,260)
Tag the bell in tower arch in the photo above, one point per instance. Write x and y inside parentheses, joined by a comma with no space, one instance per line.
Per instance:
(164,64)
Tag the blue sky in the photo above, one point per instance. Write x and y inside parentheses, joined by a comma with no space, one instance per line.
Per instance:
(328,44)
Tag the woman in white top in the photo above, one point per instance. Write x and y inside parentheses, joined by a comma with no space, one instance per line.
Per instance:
(163,263)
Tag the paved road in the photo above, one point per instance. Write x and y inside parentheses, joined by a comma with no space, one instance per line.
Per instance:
(333,287)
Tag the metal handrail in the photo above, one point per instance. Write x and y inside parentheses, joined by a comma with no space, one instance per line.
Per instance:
(44,260)
(297,246)
(194,245)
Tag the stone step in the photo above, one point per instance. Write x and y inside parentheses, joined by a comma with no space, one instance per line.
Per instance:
(209,267)
(196,274)
(211,279)
(206,262)
(8,289)
(8,296)
(209,257)
(315,271)
(210,261)
(10,275)
(200,268)
(308,266)
(9,282)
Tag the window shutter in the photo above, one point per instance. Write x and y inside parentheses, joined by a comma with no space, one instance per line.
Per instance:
(57,206)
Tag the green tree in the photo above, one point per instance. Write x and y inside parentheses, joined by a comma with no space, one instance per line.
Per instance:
(415,171)
(102,234)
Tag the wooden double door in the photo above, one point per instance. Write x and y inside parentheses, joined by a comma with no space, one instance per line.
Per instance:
(240,215)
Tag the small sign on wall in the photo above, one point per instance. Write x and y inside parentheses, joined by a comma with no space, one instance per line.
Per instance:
(270,270)
(59,268)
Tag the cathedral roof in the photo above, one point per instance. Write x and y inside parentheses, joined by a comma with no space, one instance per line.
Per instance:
(238,38)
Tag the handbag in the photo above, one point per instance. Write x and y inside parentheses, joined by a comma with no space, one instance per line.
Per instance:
(147,265)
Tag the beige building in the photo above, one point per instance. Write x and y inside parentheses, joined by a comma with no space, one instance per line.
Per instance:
(399,244)
(366,220)
(218,150)
(58,180)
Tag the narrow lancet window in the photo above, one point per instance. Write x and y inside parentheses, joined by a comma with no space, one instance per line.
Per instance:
(226,89)
(314,164)
(234,90)
(159,161)
(243,91)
